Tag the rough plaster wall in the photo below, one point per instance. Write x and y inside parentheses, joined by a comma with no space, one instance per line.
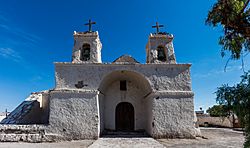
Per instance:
(173,116)
(38,96)
(162,77)
(45,108)
(133,95)
(2,117)
(148,107)
(101,98)
(95,47)
(34,116)
(214,121)
(74,114)
(43,99)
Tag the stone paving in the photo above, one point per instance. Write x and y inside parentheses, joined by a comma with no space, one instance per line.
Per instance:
(126,143)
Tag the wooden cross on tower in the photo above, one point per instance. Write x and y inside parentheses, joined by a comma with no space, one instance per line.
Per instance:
(90,23)
(157,26)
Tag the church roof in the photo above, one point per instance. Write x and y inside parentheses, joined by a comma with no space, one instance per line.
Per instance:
(126,59)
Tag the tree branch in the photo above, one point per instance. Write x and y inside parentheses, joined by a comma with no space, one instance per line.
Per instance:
(225,68)
(245,5)
(242,62)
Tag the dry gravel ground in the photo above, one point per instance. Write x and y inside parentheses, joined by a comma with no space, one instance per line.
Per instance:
(142,142)
(216,138)
(66,144)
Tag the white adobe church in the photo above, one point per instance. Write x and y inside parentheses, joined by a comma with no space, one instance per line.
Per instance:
(91,97)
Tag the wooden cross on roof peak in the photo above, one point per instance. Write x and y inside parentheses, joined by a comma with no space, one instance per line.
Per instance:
(90,23)
(157,26)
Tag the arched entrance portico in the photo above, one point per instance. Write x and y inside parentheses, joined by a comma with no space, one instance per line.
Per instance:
(124,117)
(124,103)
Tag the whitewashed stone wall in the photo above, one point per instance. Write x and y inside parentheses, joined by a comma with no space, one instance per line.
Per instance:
(161,77)
(74,114)
(162,98)
(2,117)
(43,98)
(101,98)
(215,121)
(173,115)
(148,108)
(160,93)
(26,133)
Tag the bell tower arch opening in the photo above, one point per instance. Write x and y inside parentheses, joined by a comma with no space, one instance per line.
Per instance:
(161,53)
(85,52)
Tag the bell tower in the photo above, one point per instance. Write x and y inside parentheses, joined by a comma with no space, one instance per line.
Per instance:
(160,48)
(87,46)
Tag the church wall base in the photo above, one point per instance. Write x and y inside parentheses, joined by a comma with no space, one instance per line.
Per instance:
(74,115)
(173,116)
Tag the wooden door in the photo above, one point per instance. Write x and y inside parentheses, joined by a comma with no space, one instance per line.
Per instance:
(124,117)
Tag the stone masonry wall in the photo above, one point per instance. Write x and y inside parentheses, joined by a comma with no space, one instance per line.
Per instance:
(162,77)
(171,98)
(173,115)
(26,133)
(74,114)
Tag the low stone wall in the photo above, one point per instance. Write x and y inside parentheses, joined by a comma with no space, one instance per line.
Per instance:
(25,133)
(214,121)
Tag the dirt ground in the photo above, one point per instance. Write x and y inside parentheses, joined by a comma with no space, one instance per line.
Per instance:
(66,144)
(214,138)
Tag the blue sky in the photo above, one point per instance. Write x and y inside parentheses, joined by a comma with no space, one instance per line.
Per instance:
(34,34)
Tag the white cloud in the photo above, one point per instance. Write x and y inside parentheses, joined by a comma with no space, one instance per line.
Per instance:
(9,53)
(10,28)
(28,37)
(233,68)
(216,72)
(36,78)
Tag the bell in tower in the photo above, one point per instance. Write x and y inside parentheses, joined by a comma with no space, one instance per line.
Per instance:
(160,48)
(87,46)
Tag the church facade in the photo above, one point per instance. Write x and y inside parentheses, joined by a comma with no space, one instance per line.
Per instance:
(91,97)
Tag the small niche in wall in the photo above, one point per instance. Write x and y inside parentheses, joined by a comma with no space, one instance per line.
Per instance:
(123,85)
(80,84)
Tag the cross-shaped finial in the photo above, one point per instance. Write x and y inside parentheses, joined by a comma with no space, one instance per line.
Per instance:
(157,26)
(90,25)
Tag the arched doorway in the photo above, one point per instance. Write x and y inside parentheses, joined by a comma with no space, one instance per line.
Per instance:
(126,93)
(124,117)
